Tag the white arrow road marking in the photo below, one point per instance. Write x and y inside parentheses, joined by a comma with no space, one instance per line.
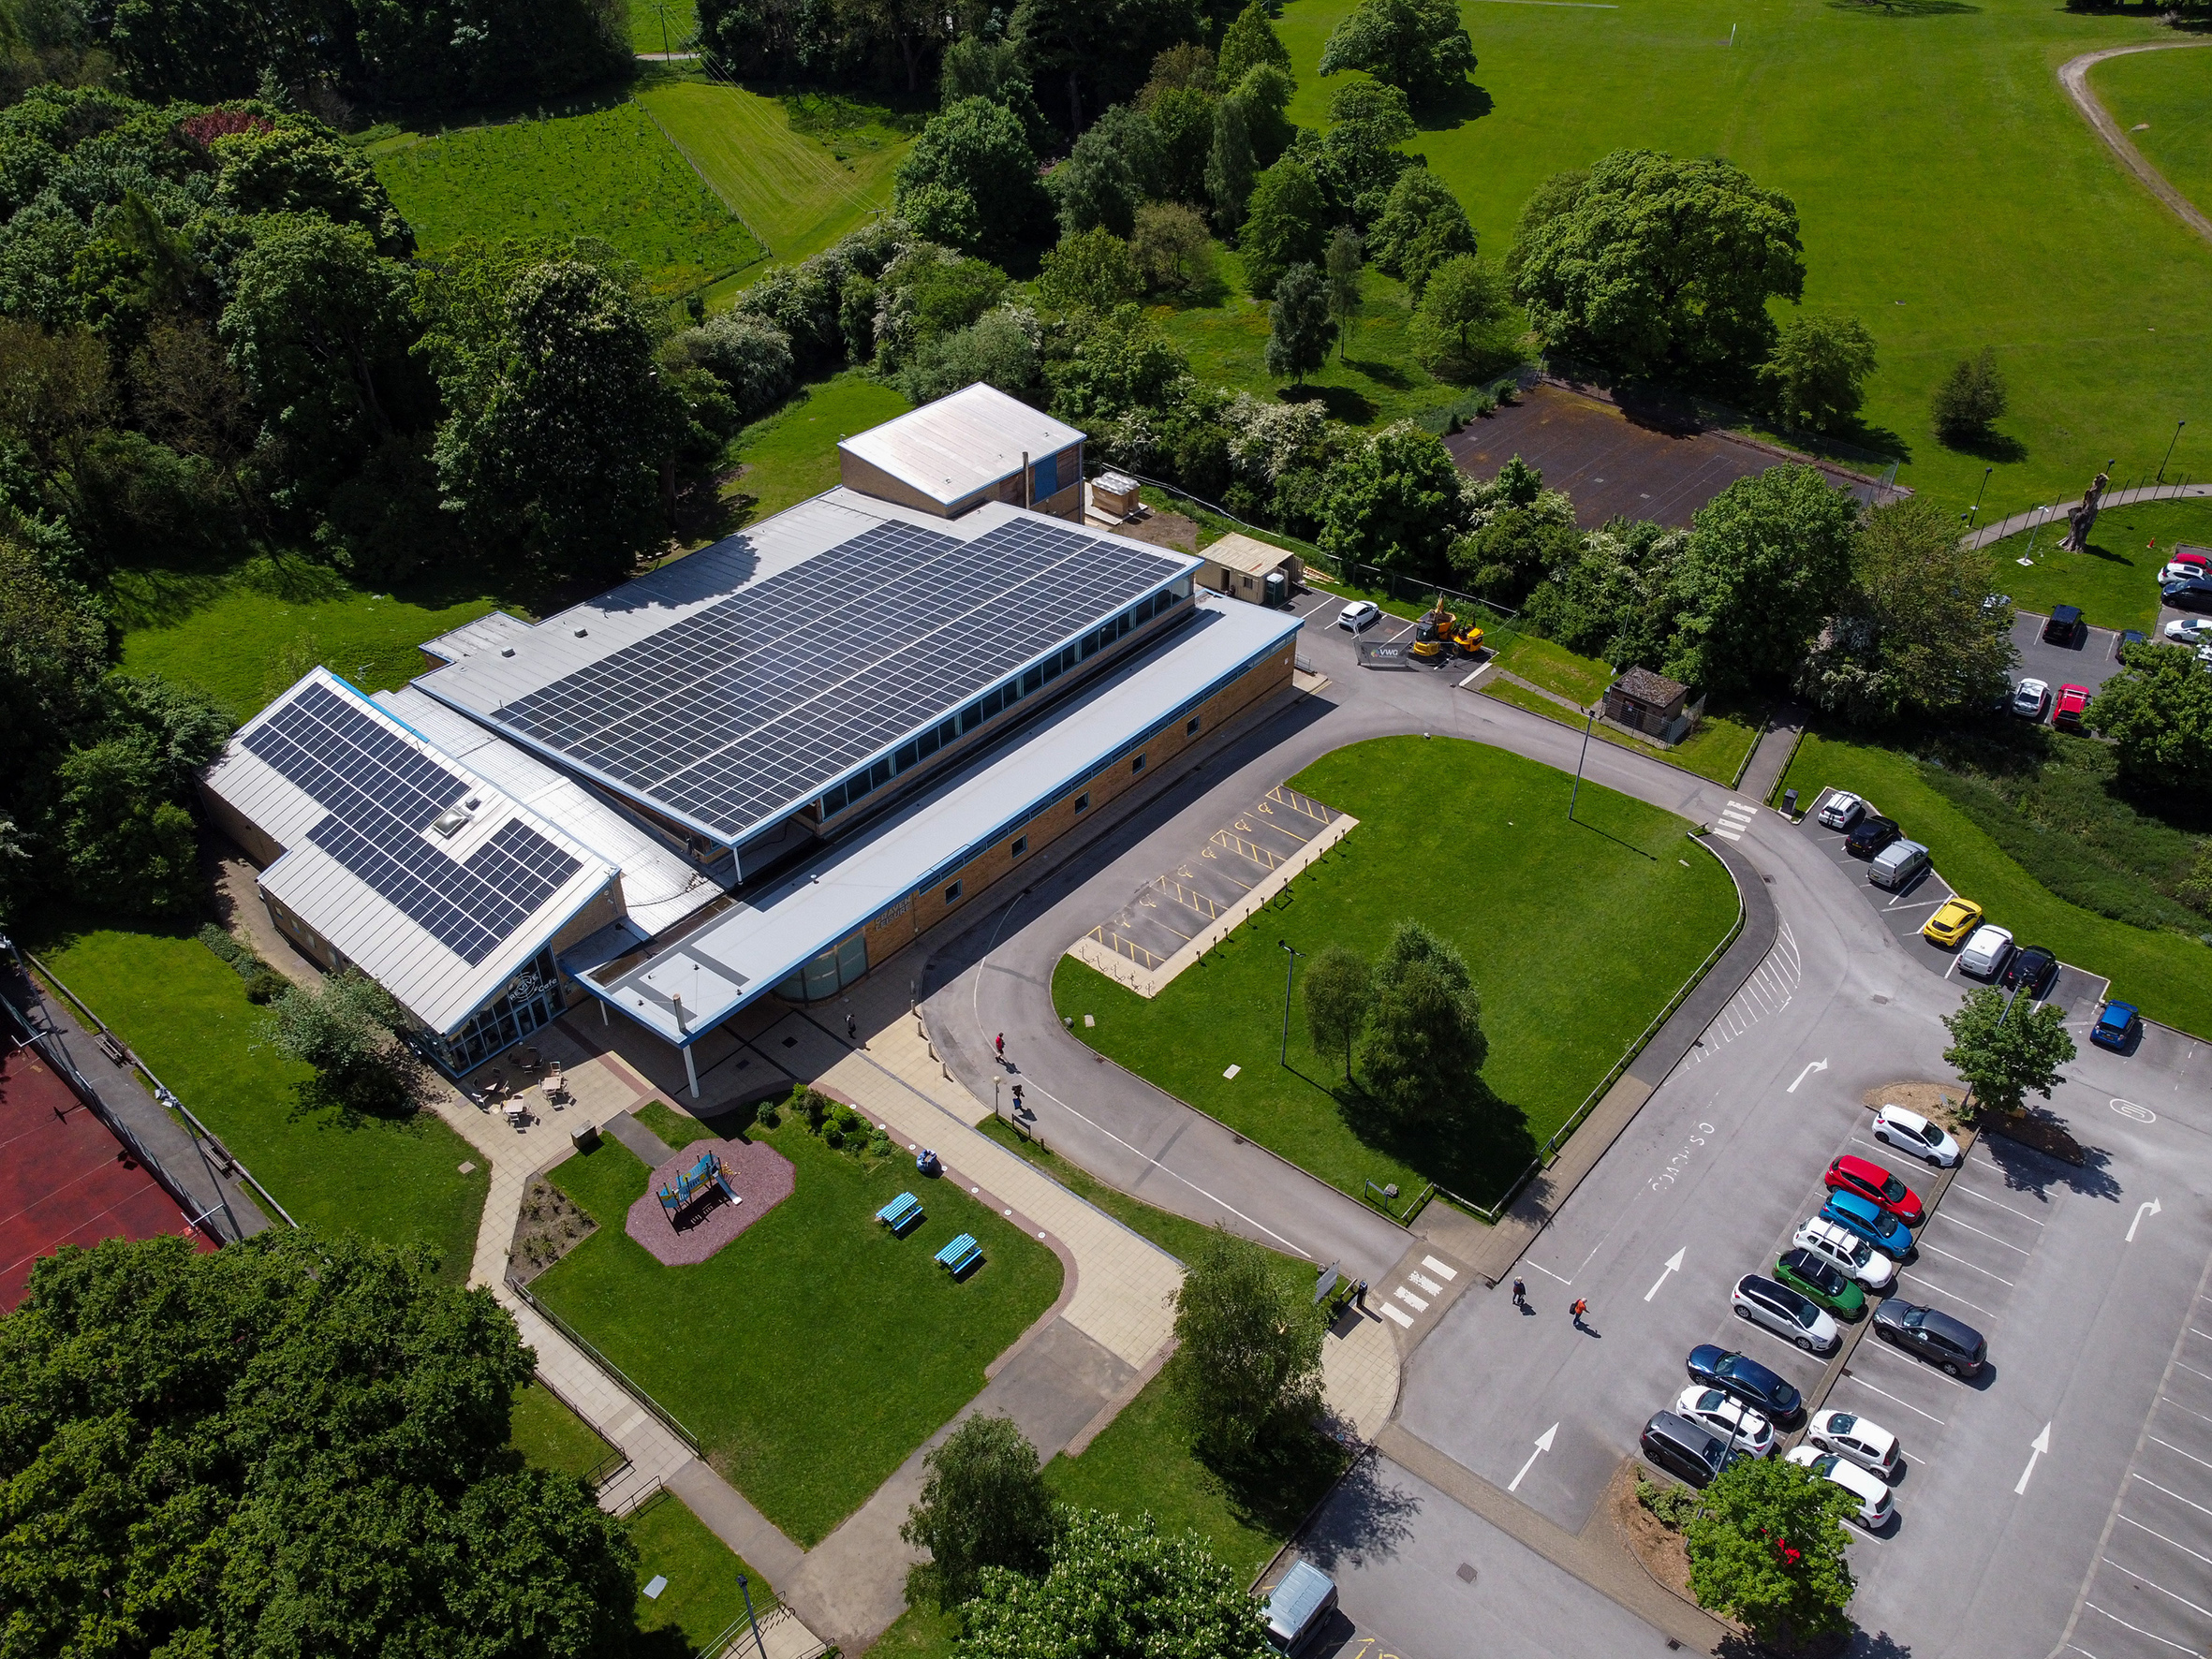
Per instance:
(2036,1449)
(1816,1065)
(1543,1444)
(1673,1265)
(2149,1207)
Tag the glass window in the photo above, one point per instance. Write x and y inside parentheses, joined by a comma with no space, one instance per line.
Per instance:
(947,732)
(1052,668)
(1190,727)
(833,801)
(1090,645)
(822,976)
(1136,765)
(971,717)
(1033,679)
(857,785)
(879,775)
(1021,845)
(1123,625)
(907,754)
(852,958)
(929,743)
(1083,801)
(991,699)
(1011,692)
(952,893)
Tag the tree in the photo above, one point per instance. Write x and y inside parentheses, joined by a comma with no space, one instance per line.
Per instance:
(53,649)
(1421,225)
(1090,268)
(1229,167)
(1356,159)
(2003,1049)
(1457,325)
(1393,502)
(1172,249)
(970,180)
(1119,1589)
(1557,195)
(1344,273)
(1769,558)
(1114,364)
(1425,1044)
(1115,165)
(1768,1548)
(1417,46)
(1338,995)
(123,844)
(1969,400)
(1285,226)
(1096,51)
(1300,332)
(208,1452)
(750,358)
(1247,1363)
(1814,376)
(1517,549)
(1250,40)
(348,1031)
(1652,264)
(977,67)
(558,448)
(2158,713)
(999,349)
(303,168)
(983,1504)
(1183,116)
(1915,631)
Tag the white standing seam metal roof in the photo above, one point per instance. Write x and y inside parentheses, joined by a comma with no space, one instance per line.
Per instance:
(430,980)
(757,945)
(489,632)
(963,443)
(659,886)
(1246,553)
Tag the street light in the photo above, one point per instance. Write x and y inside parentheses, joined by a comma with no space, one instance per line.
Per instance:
(1590,726)
(2170,443)
(1284,1057)
(742,1589)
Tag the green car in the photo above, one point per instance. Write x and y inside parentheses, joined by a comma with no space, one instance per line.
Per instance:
(1822,1280)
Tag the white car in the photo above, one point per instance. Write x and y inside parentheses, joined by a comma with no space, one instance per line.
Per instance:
(1910,1131)
(1870,1493)
(1984,951)
(1866,1443)
(1841,810)
(2181,570)
(1833,1242)
(1728,1418)
(1359,613)
(2190,630)
(1788,1314)
(2030,698)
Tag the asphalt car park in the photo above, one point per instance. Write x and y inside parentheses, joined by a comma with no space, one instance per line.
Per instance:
(2090,660)
(2075,990)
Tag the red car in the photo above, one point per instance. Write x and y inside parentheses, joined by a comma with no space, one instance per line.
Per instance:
(2067,713)
(1877,1186)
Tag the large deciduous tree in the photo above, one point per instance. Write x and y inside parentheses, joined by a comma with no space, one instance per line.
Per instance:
(1968,400)
(1417,46)
(1767,1547)
(1460,325)
(1115,166)
(1247,1364)
(1420,225)
(1393,502)
(1250,40)
(1339,994)
(2158,713)
(1286,225)
(983,1504)
(295,1445)
(970,180)
(1769,558)
(1653,265)
(1300,332)
(2004,1048)
(1419,1068)
(1814,378)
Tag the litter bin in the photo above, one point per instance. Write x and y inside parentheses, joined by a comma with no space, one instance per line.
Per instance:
(1790,802)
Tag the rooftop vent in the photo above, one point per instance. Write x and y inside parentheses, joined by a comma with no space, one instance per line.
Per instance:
(580,632)
(450,821)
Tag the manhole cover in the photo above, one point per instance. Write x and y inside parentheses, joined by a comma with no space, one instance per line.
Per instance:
(1467,1572)
(791,1042)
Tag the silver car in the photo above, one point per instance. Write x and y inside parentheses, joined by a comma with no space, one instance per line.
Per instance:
(1983,954)
(2030,698)
(1784,1312)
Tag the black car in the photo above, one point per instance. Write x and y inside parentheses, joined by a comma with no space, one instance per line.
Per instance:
(1687,1450)
(2129,636)
(2064,627)
(2030,970)
(1934,1335)
(2190,594)
(1746,1379)
(1869,835)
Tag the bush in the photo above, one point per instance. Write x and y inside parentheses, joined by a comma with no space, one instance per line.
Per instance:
(1969,400)
(1673,1505)
(832,1135)
(1813,378)
(768,1116)
(752,360)
(1092,268)
(1174,252)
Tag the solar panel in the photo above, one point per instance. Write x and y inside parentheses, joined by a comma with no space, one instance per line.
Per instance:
(379,794)
(754,703)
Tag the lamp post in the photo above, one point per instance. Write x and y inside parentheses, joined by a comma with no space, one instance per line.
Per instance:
(744,1590)
(1283,1058)
(2170,443)
(1588,727)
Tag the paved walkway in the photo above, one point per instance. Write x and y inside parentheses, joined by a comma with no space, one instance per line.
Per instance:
(2073,75)
(2056,512)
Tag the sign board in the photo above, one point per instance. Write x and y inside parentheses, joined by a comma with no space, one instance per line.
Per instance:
(1386,656)
(1326,1283)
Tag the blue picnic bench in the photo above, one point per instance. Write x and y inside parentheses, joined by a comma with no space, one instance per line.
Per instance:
(960,1255)
(900,1213)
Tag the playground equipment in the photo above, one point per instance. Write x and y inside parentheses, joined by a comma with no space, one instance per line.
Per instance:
(694,1184)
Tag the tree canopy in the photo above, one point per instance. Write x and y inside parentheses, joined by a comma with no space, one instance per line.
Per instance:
(2158,713)
(983,1504)
(1814,377)
(295,1445)
(1300,332)
(1417,46)
(1768,1546)
(1286,225)
(1247,1365)
(1420,225)
(2005,1054)
(1421,1063)
(1339,993)
(970,180)
(1395,501)
(1769,558)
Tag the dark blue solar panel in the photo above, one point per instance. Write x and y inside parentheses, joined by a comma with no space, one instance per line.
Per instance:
(381,793)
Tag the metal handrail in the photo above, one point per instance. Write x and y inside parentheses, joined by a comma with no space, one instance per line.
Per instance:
(590,1352)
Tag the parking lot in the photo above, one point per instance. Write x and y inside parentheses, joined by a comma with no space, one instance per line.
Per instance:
(2093,658)
(1904,912)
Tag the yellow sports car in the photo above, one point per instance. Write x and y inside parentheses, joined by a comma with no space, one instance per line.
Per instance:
(1953,921)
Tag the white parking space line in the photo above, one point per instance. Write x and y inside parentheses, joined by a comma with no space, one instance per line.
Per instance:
(2164,1539)
(1953,1295)
(2138,1629)
(2155,1486)
(1908,1404)
(2176,1404)
(2193,1370)
(2194,1331)
(1991,1237)
(1969,1192)
(2177,1451)
(2150,1584)
(1884,1349)
(1962,1261)
(1916,904)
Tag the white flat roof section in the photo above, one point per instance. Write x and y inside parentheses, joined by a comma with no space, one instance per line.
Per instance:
(489,632)
(755,946)
(963,443)
(736,686)
(419,870)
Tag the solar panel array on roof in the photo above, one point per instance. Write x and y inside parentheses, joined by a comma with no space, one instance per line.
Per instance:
(752,705)
(379,794)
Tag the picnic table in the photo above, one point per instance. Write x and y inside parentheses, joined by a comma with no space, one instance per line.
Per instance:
(901,1212)
(957,1256)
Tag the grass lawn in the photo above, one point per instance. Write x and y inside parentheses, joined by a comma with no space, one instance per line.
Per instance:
(552,1436)
(609,174)
(2171,92)
(798,193)
(792,454)
(661,25)
(1555,668)
(700,1599)
(814,1353)
(2116,582)
(231,635)
(1715,750)
(1474,840)
(2167,975)
(1931,151)
(678,1128)
(185,1012)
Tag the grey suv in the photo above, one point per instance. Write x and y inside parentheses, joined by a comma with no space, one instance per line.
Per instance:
(1687,1450)
(1932,1334)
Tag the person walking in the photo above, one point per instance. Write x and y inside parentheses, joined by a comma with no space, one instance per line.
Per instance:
(1520,1293)
(1581,1307)
(1000,1046)
(852,1029)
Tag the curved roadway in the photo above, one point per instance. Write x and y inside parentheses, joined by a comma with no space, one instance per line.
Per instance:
(2073,75)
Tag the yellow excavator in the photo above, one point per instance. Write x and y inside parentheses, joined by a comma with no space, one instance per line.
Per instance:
(1433,631)
(1468,640)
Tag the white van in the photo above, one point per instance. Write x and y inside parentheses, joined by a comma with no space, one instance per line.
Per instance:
(1898,865)
(1300,1607)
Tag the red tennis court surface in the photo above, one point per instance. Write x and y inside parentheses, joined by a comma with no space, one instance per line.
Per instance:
(64,1179)
(1635,463)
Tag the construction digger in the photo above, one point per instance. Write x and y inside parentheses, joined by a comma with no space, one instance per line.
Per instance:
(1468,640)
(1433,631)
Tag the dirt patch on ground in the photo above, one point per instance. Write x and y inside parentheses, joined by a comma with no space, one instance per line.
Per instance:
(1657,1547)
(1165,530)
(547,1228)
(1937,1102)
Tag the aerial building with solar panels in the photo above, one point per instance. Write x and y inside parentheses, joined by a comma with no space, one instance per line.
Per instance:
(762,769)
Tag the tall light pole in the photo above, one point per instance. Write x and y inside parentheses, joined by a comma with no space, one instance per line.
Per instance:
(2170,443)
(742,1589)
(1590,726)
(1291,973)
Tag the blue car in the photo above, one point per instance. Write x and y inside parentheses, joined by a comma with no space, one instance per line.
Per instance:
(2117,1026)
(1746,1379)
(1872,1223)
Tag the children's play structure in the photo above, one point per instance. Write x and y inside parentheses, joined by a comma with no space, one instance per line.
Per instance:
(700,1181)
